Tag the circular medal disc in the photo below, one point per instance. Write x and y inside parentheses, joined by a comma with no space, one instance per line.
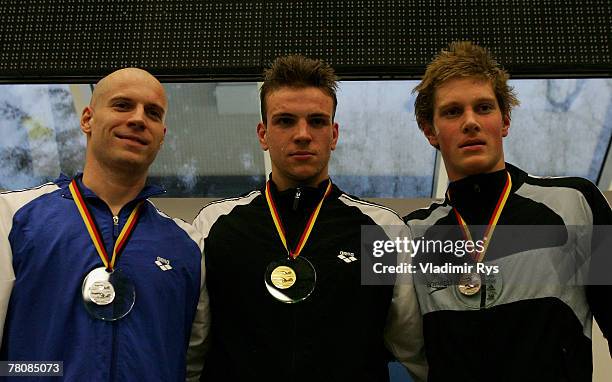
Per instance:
(469,284)
(283,277)
(101,292)
(108,296)
(290,280)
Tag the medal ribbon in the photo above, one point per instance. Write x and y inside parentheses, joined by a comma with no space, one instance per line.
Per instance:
(501,202)
(279,225)
(94,232)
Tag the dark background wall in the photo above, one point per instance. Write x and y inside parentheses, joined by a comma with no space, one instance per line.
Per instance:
(81,40)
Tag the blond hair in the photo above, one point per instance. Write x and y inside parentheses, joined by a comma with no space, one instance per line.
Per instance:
(462,59)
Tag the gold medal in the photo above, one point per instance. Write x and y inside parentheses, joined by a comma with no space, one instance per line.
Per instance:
(283,277)
(290,280)
(469,284)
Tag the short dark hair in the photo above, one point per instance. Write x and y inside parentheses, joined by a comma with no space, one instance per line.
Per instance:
(462,59)
(297,71)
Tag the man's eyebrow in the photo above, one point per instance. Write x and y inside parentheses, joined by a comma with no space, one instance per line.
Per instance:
(477,100)
(128,99)
(318,114)
(119,98)
(283,114)
(486,99)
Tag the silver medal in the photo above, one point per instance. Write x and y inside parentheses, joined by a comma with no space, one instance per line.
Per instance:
(101,292)
(108,296)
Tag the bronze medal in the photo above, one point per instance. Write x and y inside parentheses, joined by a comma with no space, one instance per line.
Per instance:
(469,284)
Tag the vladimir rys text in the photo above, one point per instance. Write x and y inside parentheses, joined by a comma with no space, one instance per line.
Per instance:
(429,248)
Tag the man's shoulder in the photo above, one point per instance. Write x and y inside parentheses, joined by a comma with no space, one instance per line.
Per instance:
(436,210)
(12,201)
(210,213)
(226,205)
(380,214)
(168,225)
(581,185)
(575,182)
(582,188)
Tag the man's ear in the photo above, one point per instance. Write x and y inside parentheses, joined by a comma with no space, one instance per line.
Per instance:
(161,143)
(334,136)
(505,125)
(86,118)
(430,134)
(261,135)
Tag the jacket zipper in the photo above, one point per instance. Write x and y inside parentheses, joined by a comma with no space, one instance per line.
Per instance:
(114,323)
(115,227)
(296,199)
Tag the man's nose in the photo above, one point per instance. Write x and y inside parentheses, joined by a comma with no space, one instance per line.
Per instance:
(470,122)
(137,117)
(302,131)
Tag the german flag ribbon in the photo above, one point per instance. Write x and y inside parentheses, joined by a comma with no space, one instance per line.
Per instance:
(478,256)
(94,232)
(279,224)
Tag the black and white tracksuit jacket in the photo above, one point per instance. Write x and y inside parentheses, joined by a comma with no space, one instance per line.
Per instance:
(336,334)
(537,326)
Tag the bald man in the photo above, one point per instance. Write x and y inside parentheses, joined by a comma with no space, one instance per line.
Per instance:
(91,274)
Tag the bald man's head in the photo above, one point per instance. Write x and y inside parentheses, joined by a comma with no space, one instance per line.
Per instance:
(123,75)
(124,121)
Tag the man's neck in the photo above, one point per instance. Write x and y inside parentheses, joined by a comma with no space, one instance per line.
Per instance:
(476,196)
(283,183)
(116,189)
(454,176)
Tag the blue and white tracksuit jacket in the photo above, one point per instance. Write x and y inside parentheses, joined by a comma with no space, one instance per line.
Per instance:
(45,252)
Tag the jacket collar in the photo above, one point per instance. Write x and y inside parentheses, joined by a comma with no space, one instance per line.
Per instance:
(475,196)
(308,197)
(64,181)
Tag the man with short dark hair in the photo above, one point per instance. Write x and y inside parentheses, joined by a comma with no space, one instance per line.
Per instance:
(91,273)
(283,263)
(531,320)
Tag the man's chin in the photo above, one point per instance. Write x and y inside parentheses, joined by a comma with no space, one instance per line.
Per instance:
(133,162)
